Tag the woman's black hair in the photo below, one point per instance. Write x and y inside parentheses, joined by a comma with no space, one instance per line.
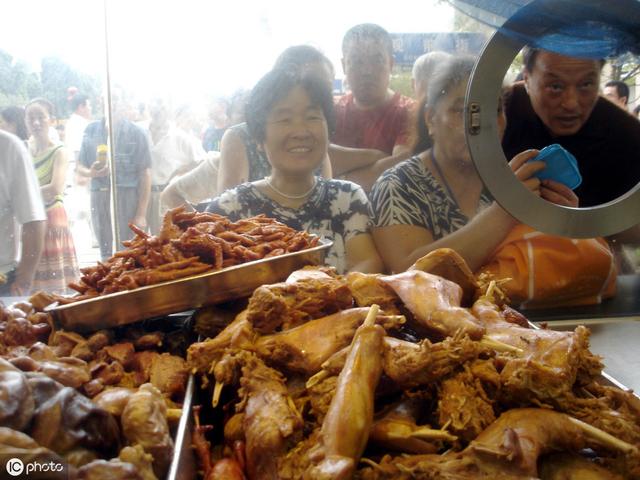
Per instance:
(446,77)
(302,55)
(44,103)
(15,116)
(276,85)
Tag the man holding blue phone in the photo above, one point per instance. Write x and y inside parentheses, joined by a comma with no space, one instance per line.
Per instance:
(559,103)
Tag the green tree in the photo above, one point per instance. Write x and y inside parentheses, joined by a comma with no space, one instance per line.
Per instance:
(17,82)
(57,77)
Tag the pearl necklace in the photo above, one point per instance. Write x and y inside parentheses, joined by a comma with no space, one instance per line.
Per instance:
(292,197)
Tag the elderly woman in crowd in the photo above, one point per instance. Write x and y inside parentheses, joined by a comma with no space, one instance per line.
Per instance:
(289,115)
(436,199)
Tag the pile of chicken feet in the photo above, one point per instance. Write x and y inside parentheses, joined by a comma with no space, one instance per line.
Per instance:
(422,374)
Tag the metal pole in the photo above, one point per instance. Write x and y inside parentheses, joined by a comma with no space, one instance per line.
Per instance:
(115,229)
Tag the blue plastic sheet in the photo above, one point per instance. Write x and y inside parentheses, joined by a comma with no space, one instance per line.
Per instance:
(581,28)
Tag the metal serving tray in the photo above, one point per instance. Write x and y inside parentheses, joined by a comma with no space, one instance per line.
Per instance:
(121,308)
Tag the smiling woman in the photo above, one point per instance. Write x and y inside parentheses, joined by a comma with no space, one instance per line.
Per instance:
(290,113)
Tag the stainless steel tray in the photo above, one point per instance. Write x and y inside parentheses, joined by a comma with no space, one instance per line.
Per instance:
(121,308)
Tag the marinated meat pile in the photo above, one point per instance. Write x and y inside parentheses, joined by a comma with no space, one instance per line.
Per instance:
(100,405)
(408,376)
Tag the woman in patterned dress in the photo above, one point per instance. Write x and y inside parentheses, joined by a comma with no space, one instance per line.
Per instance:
(58,264)
(436,199)
(289,115)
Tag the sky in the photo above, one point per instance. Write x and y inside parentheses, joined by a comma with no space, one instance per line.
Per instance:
(188,49)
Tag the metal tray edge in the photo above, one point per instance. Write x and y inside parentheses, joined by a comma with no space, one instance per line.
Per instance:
(183,463)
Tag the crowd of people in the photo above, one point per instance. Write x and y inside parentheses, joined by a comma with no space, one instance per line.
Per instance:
(385,177)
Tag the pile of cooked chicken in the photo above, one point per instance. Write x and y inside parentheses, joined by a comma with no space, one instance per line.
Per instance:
(100,406)
(424,374)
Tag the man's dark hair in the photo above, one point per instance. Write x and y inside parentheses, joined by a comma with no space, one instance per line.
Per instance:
(621,88)
(15,116)
(77,100)
(529,55)
(275,86)
(367,31)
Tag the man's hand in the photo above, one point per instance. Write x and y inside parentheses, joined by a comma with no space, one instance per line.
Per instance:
(97,171)
(525,171)
(558,193)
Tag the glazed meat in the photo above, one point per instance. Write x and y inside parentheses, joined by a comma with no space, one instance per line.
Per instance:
(114,399)
(463,403)
(14,444)
(142,461)
(448,264)
(69,371)
(271,424)
(169,374)
(508,449)
(202,356)
(289,304)
(64,419)
(16,401)
(566,466)
(396,429)
(144,422)
(548,365)
(435,303)
(368,289)
(111,470)
(346,426)
(303,349)
(410,365)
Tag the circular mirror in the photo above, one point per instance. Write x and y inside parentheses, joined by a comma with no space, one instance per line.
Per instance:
(481,127)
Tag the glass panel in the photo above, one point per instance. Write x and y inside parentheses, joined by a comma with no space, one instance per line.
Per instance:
(179,74)
(56,52)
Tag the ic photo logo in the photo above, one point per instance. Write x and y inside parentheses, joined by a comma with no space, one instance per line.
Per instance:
(15,467)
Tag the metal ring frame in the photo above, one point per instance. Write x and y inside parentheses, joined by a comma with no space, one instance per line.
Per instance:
(491,163)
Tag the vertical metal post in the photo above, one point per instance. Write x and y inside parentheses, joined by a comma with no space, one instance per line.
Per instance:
(108,114)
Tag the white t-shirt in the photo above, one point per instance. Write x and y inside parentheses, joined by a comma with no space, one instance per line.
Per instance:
(20,200)
(176,149)
(200,183)
(74,130)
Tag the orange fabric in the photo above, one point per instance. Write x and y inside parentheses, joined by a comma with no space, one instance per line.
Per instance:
(549,271)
